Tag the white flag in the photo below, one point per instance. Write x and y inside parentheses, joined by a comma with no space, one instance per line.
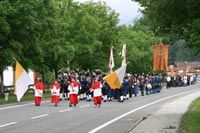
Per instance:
(123,55)
(111,61)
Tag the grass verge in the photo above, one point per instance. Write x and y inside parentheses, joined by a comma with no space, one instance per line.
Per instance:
(27,97)
(191,119)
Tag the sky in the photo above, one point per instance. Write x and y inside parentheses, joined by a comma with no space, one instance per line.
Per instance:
(128,10)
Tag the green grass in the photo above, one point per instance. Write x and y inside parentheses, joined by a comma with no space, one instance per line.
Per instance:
(190,121)
(170,127)
(27,97)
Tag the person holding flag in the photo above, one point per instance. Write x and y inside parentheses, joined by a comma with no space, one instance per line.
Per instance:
(73,88)
(96,89)
(39,88)
(55,91)
(115,78)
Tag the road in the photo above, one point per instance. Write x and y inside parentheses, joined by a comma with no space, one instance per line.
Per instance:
(111,117)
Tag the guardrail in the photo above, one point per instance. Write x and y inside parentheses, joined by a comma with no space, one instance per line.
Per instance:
(10,89)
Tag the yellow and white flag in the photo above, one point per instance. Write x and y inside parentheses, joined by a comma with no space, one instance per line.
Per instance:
(115,79)
(22,81)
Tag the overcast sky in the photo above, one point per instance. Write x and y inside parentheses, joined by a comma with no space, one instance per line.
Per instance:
(127,9)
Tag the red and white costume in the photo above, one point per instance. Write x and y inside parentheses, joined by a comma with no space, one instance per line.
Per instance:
(73,92)
(55,92)
(97,93)
(39,88)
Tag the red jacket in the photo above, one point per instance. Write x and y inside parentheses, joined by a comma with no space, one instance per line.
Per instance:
(39,86)
(96,85)
(73,84)
(57,86)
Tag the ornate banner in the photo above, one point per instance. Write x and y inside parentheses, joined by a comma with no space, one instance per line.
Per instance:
(160,57)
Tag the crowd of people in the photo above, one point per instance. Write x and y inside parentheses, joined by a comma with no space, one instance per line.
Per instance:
(75,86)
(180,80)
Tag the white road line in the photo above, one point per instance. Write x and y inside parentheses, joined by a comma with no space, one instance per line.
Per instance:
(17,106)
(65,110)
(132,111)
(8,124)
(35,117)
(83,106)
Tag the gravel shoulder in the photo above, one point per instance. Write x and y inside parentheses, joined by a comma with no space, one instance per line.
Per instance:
(167,118)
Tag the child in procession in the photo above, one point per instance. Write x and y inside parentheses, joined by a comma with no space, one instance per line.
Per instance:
(97,92)
(73,88)
(39,88)
(55,92)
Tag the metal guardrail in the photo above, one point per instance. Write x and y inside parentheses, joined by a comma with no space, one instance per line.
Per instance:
(10,89)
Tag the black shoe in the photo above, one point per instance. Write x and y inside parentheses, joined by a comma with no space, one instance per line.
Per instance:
(70,105)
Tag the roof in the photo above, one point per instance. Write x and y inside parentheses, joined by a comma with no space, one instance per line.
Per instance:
(188,65)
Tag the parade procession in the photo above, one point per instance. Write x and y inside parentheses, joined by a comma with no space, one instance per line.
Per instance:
(99,66)
(97,86)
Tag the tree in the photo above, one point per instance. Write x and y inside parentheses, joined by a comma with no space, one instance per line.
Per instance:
(180,52)
(174,17)
(18,30)
(139,40)
(93,30)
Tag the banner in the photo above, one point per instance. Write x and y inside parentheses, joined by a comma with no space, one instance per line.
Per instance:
(160,57)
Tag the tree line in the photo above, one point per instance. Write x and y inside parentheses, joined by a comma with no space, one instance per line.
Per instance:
(47,35)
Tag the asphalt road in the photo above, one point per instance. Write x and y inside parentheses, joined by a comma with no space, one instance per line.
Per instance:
(111,117)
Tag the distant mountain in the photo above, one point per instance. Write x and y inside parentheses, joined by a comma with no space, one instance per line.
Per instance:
(130,21)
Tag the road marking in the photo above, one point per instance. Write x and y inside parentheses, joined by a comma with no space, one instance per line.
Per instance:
(35,117)
(65,110)
(132,111)
(83,106)
(10,107)
(17,106)
(8,124)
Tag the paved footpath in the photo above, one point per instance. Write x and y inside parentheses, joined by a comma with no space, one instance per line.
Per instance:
(167,118)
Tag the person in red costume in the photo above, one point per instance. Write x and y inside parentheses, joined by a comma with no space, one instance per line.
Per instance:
(97,93)
(55,92)
(39,88)
(73,92)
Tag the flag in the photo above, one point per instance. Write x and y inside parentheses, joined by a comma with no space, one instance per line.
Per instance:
(160,57)
(111,61)
(171,68)
(123,54)
(22,81)
(115,79)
